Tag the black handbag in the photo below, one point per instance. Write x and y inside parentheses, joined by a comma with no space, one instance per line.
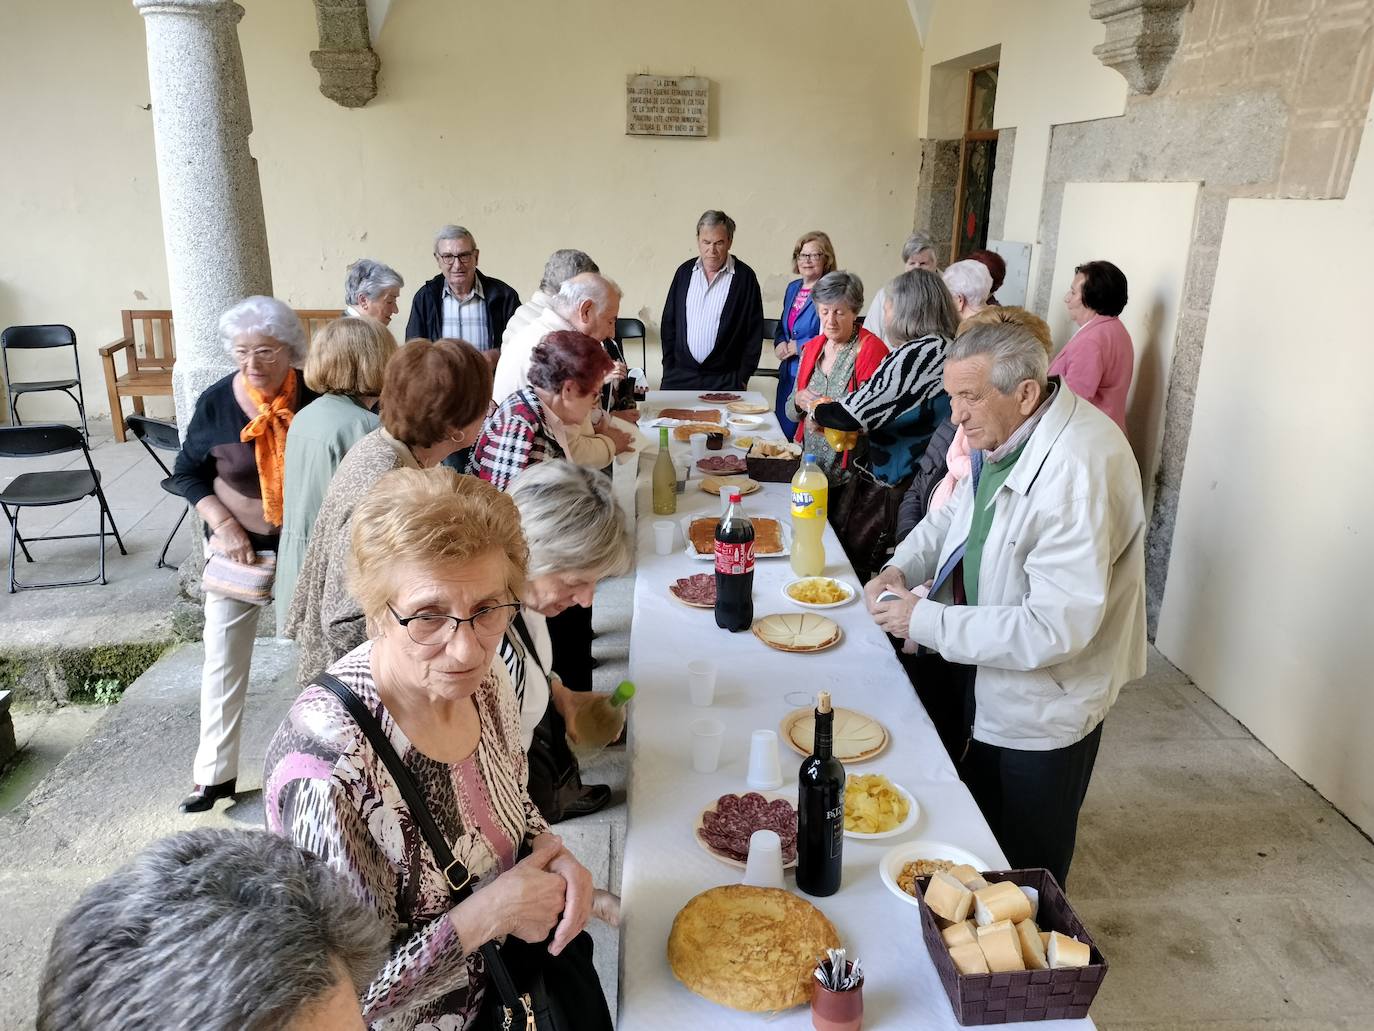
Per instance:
(534,990)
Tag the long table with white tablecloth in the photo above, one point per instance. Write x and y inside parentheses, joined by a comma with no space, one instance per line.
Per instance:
(664,866)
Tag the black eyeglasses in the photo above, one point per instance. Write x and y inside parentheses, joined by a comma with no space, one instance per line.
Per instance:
(803,256)
(462,257)
(433,628)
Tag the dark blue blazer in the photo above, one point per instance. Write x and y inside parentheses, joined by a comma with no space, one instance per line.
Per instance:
(808,327)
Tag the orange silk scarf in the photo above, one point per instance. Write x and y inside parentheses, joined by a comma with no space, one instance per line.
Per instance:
(268,433)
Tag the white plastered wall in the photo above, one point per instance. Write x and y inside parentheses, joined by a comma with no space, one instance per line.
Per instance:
(507,118)
(1047,76)
(1270,599)
(1145,228)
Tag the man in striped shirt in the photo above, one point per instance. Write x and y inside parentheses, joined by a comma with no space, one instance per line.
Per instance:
(461,303)
(712,326)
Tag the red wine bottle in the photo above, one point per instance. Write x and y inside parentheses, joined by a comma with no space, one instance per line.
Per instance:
(820,810)
(734,567)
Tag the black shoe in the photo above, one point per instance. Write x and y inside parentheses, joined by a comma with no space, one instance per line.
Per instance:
(206,795)
(596,664)
(591,799)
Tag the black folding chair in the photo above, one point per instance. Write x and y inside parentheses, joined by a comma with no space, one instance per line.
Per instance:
(770,333)
(51,487)
(30,338)
(161,434)
(629,329)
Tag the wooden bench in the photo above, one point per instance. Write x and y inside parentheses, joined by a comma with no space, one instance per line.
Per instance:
(149,348)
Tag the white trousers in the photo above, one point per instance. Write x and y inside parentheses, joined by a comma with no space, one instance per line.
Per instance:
(230,629)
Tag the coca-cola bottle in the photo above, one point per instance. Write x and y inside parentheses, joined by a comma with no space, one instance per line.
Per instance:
(734,567)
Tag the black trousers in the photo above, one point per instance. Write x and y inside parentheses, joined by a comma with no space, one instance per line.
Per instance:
(570,632)
(1031,799)
(946,693)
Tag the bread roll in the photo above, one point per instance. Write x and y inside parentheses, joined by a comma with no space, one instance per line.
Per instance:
(959,934)
(1001,901)
(1032,948)
(968,877)
(1064,951)
(968,959)
(948,898)
(1044,939)
(1001,946)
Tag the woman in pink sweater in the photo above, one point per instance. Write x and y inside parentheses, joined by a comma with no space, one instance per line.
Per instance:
(1098,361)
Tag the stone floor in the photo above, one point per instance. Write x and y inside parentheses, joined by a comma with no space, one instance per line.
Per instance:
(1224,891)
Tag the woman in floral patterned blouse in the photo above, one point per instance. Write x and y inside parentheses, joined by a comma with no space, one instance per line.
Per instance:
(438,600)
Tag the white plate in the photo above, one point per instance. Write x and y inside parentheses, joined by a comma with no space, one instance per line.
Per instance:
(686,525)
(896,858)
(913,814)
(747,422)
(828,605)
(772,796)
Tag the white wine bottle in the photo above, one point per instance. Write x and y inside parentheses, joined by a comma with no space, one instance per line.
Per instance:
(665,477)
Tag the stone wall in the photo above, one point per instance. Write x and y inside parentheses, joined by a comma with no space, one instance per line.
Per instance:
(936,190)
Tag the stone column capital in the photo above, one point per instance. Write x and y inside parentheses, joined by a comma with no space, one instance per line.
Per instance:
(201,8)
(1142,36)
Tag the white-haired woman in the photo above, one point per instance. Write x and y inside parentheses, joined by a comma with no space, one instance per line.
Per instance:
(231,468)
(576,536)
(970,284)
(371,290)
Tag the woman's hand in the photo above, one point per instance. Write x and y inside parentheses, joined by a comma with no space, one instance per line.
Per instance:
(577,905)
(805,400)
(619,438)
(525,901)
(569,704)
(785,350)
(231,541)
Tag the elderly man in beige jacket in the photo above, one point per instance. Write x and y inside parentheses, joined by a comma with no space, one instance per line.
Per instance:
(587,303)
(1038,583)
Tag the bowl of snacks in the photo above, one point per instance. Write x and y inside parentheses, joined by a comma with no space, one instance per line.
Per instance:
(818,592)
(876,808)
(904,863)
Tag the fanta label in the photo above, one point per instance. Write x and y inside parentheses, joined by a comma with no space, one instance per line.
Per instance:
(805,504)
(734,559)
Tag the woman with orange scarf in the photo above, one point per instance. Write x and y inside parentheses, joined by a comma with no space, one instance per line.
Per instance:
(230,469)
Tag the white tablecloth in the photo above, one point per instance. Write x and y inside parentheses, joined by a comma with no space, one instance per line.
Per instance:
(663,864)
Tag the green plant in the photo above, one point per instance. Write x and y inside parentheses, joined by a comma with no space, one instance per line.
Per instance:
(103,691)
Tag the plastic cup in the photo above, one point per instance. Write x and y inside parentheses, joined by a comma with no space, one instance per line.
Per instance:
(701,682)
(707,735)
(764,867)
(698,446)
(663,537)
(765,773)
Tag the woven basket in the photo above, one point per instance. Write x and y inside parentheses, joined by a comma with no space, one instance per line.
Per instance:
(772,470)
(1063,994)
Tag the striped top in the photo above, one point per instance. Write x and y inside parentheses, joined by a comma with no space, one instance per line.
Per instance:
(705,305)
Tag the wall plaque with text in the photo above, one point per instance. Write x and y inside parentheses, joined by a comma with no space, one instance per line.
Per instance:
(667,105)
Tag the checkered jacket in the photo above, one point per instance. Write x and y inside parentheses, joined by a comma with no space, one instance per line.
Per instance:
(516,435)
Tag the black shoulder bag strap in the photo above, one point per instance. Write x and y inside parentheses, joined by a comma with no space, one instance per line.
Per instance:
(455,873)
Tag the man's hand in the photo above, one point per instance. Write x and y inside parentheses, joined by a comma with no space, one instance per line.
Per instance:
(889,579)
(619,370)
(895,616)
(619,438)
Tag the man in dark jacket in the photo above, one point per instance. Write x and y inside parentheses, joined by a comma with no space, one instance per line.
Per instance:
(712,327)
(460,302)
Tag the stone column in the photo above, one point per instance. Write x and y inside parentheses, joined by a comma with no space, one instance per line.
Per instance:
(212,220)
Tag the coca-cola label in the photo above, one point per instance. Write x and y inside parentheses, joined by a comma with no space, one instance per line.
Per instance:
(805,504)
(734,559)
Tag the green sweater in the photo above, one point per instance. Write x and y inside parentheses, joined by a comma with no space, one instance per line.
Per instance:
(989,483)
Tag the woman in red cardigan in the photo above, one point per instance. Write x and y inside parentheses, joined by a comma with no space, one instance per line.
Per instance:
(833,365)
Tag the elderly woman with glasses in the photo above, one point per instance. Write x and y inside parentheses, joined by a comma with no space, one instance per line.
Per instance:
(345,367)
(841,357)
(917,252)
(812,257)
(434,395)
(437,564)
(231,468)
(371,290)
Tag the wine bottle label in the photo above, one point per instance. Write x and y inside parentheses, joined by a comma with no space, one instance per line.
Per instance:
(805,504)
(734,559)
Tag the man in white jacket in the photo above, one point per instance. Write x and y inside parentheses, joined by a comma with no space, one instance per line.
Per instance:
(562,265)
(1038,582)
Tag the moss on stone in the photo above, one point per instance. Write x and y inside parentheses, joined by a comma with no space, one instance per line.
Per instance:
(95,674)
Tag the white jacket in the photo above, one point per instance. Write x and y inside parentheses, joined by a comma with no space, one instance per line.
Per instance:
(524,315)
(1060,622)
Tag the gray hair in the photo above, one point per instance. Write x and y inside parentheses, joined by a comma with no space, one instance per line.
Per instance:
(1014,351)
(214,929)
(562,266)
(712,218)
(267,316)
(839,287)
(571,520)
(368,278)
(916,243)
(452,232)
(921,306)
(970,280)
(587,286)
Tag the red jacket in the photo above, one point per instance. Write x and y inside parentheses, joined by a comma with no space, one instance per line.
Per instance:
(871,353)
